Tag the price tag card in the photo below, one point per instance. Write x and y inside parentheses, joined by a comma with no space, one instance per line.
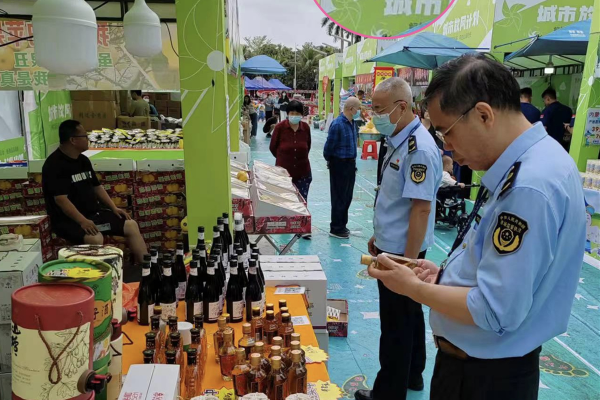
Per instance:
(324,390)
(300,320)
(226,394)
(314,354)
(290,290)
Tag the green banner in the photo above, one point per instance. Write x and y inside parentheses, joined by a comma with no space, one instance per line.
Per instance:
(469,21)
(519,19)
(12,149)
(349,67)
(382,18)
(365,50)
(53,108)
(327,67)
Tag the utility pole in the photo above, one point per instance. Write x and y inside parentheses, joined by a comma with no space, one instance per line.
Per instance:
(295,64)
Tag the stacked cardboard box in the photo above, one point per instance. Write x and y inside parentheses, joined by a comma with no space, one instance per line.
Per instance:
(159,204)
(30,227)
(12,182)
(32,190)
(95,109)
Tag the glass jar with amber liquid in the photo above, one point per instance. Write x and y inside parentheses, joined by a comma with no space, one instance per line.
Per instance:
(282,304)
(278,388)
(269,329)
(240,380)
(247,341)
(286,328)
(257,378)
(257,324)
(297,374)
(218,336)
(259,348)
(193,382)
(227,355)
(151,345)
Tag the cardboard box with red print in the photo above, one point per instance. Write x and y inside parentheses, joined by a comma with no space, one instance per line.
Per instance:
(165,212)
(151,200)
(31,227)
(291,224)
(337,317)
(160,177)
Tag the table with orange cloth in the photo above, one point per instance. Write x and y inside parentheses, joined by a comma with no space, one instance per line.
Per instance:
(132,354)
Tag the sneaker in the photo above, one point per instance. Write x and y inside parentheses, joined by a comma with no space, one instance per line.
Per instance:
(363,395)
(340,235)
(268,135)
(307,236)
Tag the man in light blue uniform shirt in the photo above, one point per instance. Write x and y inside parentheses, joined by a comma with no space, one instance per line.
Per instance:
(403,224)
(509,282)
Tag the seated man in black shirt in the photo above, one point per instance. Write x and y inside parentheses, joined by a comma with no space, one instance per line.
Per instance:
(72,192)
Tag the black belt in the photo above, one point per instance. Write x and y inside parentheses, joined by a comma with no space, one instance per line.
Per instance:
(448,348)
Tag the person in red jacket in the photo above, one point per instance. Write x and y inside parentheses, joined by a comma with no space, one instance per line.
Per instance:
(290,146)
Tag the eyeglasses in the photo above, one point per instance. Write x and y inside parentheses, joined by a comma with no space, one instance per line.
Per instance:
(442,135)
(378,113)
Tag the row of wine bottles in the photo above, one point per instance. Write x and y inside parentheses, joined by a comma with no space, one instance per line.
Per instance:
(231,272)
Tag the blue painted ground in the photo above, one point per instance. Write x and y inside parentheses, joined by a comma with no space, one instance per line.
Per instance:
(570,364)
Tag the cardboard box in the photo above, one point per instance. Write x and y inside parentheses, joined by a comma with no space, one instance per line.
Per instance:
(282,225)
(300,271)
(151,382)
(28,245)
(174,199)
(158,211)
(5,349)
(17,269)
(124,122)
(95,115)
(94,95)
(31,227)
(338,328)
(5,386)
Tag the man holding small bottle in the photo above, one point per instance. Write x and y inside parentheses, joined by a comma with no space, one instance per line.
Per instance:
(403,225)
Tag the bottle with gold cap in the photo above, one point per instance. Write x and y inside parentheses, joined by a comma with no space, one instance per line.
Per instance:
(269,307)
(227,355)
(366,259)
(286,328)
(278,388)
(257,379)
(257,324)
(282,304)
(278,341)
(240,380)
(295,345)
(259,348)
(270,328)
(218,335)
(297,374)
(247,341)
(228,318)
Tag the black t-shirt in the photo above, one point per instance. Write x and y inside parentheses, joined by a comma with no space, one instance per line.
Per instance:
(554,117)
(63,175)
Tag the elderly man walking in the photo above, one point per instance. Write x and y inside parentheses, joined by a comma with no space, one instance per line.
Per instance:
(340,153)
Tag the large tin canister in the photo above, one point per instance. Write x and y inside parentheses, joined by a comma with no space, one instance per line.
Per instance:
(110,255)
(52,336)
(89,272)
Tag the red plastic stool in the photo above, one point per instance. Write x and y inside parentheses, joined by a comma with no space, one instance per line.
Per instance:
(369,150)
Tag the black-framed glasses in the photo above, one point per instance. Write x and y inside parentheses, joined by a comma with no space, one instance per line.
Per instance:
(442,135)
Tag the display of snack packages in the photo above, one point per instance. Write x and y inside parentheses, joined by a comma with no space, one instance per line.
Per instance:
(160,177)
(262,166)
(33,187)
(115,175)
(13,180)
(30,227)
(277,214)
(136,138)
(274,179)
(239,165)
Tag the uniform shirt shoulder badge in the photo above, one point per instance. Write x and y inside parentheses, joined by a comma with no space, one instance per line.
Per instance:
(412,144)
(418,173)
(508,233)
(510,178)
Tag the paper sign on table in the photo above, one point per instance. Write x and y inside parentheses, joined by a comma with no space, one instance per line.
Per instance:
(290,290)
(226,394)
(300,320)
(314,354)
(324,390)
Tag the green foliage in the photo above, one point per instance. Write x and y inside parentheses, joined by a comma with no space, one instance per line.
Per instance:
(306,60)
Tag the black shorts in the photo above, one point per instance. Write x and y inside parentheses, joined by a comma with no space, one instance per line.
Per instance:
(107,222)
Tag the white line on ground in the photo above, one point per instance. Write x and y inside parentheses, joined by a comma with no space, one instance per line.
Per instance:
(583,360)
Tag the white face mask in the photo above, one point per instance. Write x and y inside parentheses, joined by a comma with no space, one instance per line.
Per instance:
(147,100)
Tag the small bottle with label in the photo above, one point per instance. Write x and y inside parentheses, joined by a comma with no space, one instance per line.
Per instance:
(269,328)
(297,374)
(218,336)
(193,382)
(278,341)
(240,381)
(257,379)
(286,329)
(151,344)
(259,348)
(227,355)
(278,387)
(155,328)
(247,342)
(199,324)
(257,324)
(296,346)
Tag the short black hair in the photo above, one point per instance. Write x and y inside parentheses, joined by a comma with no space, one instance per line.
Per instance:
(527,92)
(360,92)
(67,130)
(464,81)
(295,105)
(550,92)
(269,123)
(138,92)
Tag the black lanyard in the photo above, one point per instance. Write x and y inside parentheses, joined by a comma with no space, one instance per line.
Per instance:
(482,197)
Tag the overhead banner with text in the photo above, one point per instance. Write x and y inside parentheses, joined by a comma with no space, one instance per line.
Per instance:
(117,68)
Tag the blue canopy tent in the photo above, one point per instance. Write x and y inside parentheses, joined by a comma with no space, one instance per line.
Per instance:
(257,83)
(423,50)
(276,83)
(564,45)
(262,65)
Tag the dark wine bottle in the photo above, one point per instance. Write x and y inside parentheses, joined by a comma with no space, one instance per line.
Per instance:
(179,272)
(155,271)
(240,237)
(235,295)
(193,293)
(255,256)
(212,293)
(203,264)
(241,270)
(228,238)
(220,272)
(146,296)
(168,297)
(159,266)
(224,244)
(254,259)
(253,292)
(200,237)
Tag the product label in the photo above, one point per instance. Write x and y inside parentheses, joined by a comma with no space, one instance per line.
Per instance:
(201,236)
(301,384)
(180,290)
(262,303)
(240,383)
(227,364)
(238,310)
(146,320)
(154,259)
(178,252)
(258,334)
(252,270)
(101,348)
(216,235)
(210,270)
(221,302)
(145,271)
(256,304)
(231,249)
(214,310)
(278,389)
(167,271)
(102,310)
(203,253)
(194,271)
(195,308)
(168,310)
(31,362)
(233,271)
(258,387)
